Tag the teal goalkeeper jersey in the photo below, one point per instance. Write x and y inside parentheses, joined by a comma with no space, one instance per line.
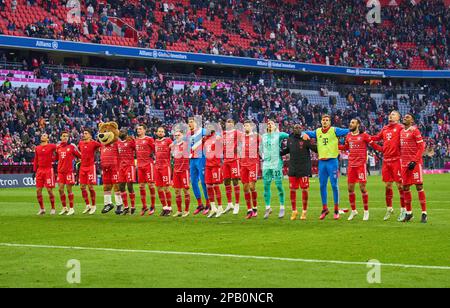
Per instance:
(270,149)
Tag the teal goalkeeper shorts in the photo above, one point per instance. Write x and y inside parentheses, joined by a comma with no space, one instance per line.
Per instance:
(272,175)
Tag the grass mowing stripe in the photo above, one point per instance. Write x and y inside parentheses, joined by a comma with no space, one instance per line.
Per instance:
(223,256)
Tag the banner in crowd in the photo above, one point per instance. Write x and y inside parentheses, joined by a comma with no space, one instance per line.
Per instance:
(16,180)
(207,59)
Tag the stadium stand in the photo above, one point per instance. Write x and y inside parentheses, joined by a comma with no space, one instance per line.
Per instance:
(413,34)
(56,99)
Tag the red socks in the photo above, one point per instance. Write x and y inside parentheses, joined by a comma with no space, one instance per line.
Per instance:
(389,196)
(71,198)
(169,199)
(162,197)
(52,201)
(305,196)
(187,200)
(255,199)
(218,195)
(229,192)
(93,196)
(237,193)
(133,200)
(63,200)
(199,201)
(41,201)
(294,200)
(248,200)
(85,195)
(402,198)
(179,201)
(352,200)
(124,196)
(423,201)
(143,195)
(211,195)
(365,197)
(152,196)
(408,200)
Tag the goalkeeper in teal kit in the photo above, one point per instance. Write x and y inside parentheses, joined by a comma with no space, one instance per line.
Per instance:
(272,166)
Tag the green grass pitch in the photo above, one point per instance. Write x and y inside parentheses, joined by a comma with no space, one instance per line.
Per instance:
(130,264)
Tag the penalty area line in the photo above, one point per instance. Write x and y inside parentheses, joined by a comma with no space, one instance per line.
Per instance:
(231,256)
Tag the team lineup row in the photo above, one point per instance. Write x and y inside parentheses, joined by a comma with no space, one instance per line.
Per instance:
(203,156)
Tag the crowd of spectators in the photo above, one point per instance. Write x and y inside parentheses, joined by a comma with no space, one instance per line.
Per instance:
(322,31)
(25,114)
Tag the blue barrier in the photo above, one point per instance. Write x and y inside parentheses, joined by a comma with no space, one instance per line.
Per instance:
(163,55)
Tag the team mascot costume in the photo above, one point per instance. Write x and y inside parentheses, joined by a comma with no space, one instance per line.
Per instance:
(108,135)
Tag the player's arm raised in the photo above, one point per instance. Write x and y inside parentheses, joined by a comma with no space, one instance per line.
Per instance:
(378,137)
(345,146)
(341,132)
(309,135)
(374,145)
(76,151)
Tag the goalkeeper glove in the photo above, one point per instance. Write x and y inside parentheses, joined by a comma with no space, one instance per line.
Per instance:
(412,165)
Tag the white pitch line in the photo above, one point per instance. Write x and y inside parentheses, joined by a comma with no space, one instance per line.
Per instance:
(447,268)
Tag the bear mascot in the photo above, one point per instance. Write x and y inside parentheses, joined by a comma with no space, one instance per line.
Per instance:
(108,135)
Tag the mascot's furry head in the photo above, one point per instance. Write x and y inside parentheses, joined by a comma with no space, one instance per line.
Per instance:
(108,132)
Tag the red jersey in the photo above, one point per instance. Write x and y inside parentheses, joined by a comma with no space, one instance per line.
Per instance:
(44,156)
(390,135)
(180,154)
(87,149)
(412,146)
(250,147)
(213,150)
(357,145)
(65,155)
(145,147)
(162,152)
(109,156)
(126,149)
(230,145)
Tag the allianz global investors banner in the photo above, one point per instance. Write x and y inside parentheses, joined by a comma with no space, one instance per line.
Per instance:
(16,180)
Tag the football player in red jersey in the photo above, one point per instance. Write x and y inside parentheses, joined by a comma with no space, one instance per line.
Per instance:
(66,153)
(412,148)
(87,172)
(127,171)
(145,148)
(180,154)
(213,147)
(391,170)
(231,165)
(250,164)
(44,173)
(356,142)
(162,170)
